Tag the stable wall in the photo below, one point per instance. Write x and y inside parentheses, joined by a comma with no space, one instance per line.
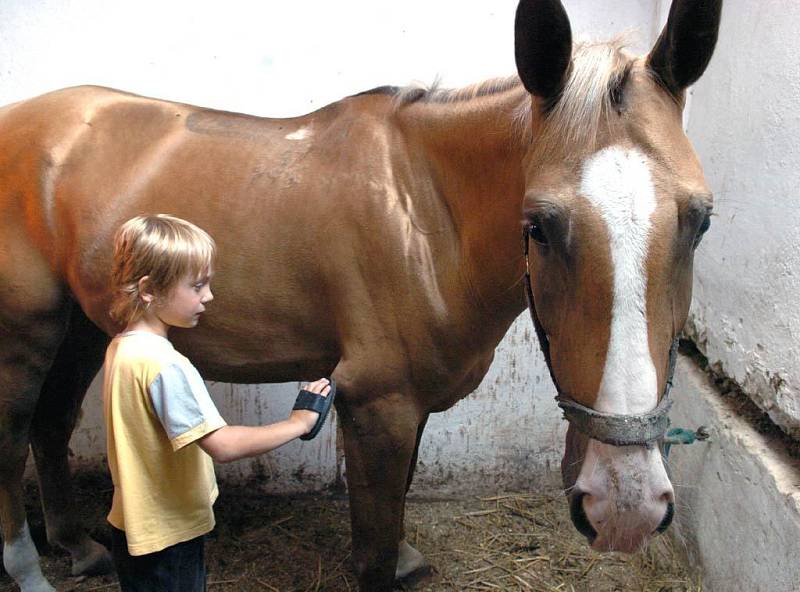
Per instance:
(738,494)
(744,122)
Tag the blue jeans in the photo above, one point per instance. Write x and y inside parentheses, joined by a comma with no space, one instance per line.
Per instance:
(179,568)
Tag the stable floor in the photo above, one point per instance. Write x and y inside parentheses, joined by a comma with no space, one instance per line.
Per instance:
(505,541)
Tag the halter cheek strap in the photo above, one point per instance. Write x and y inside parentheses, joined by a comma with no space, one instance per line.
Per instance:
(619,430)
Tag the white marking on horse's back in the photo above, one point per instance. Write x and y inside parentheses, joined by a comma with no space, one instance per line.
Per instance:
(617,182)
(300,134)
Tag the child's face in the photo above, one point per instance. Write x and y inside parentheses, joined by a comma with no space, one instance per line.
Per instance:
(183,305)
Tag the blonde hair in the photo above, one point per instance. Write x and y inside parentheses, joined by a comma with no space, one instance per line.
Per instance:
(165,249)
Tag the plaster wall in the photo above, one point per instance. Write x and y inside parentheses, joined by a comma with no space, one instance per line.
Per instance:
(738,495)
(744,122)
(282,59)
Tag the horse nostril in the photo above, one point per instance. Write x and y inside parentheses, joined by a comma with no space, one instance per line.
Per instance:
(579,518)
(667,518)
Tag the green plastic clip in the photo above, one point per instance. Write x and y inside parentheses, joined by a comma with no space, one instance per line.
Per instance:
(683,436)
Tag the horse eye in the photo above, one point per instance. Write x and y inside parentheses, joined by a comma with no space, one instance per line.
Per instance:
(536,233)
(702,230)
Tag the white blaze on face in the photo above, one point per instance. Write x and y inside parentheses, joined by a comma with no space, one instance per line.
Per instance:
(627,486)
(617,182)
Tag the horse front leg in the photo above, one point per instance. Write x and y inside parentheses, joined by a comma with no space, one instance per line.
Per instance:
(78,360)
(410,561)
(379,440)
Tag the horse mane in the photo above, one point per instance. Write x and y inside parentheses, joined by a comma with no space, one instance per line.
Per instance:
(594,88)
(435,94)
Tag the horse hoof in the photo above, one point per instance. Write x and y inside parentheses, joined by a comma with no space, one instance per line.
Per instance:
(41,586)
(412,566)
(94,563)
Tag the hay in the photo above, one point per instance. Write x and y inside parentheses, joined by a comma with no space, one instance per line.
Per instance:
(526,542)
(514,542)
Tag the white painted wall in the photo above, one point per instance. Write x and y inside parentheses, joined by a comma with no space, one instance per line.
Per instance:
(738,494)
(281,59)
(745,124)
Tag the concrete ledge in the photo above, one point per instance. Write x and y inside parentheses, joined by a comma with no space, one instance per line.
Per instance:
(738,495)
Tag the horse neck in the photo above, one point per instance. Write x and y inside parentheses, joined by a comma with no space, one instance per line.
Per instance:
(475,148)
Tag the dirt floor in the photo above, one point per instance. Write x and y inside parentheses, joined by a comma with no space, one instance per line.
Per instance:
(513,542)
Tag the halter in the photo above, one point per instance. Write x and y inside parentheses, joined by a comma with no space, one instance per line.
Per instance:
(619,430)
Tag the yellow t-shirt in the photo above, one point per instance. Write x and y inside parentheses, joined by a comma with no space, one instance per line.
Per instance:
(156,407)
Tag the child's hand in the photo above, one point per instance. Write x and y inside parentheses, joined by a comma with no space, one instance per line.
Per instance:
(308,418)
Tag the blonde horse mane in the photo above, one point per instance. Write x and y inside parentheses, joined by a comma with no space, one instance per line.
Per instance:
(594,87)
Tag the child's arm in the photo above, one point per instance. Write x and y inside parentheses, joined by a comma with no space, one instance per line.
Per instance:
(230,443)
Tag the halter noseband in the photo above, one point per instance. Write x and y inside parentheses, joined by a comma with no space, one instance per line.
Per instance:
(620,430)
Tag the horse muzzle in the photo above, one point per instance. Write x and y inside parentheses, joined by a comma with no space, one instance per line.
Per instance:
(614,536)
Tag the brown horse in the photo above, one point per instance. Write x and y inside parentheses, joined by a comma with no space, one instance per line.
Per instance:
(377,240)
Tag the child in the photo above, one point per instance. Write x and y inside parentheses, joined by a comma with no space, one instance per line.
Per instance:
(163,428)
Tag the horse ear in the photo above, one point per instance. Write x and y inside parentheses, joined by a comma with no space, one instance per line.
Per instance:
(542,47)
(683,50)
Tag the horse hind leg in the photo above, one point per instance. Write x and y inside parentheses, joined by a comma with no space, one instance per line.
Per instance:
(28,342)
(78,360)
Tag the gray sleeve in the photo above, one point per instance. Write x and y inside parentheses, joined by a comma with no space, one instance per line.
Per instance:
(182,402)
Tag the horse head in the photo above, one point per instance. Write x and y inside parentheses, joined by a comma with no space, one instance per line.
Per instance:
(615,205)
